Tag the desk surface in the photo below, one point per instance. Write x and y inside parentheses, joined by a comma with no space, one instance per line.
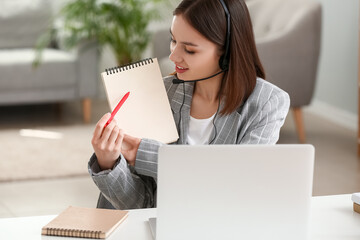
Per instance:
(332,218)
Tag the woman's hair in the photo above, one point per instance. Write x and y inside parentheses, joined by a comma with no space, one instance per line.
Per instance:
(208,17)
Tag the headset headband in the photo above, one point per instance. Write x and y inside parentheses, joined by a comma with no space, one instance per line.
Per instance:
(224,60)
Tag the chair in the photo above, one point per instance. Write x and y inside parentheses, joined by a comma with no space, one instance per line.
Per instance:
(288,34)
(61,76)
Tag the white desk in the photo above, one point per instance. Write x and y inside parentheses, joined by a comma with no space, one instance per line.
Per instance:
(332,218)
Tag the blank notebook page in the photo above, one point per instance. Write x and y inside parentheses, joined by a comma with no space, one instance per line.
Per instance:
(146,113)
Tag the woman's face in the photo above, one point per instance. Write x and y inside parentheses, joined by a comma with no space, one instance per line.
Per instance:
(193,55)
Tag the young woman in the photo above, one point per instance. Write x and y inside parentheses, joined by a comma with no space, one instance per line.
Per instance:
(218,96)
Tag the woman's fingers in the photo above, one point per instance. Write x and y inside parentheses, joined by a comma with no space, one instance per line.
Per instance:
(108,131)
(113,136)
(108,146)
(119,139)
(110,141)
(129,148)
(100,126)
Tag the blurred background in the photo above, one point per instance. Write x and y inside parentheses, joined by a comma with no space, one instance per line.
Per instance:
(51,94)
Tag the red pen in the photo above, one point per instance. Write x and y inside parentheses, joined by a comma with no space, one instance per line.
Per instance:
(117,108)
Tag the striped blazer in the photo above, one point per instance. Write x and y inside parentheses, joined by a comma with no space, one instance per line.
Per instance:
(257,121)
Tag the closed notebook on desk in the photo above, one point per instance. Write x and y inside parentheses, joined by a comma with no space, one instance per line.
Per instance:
(85,222)
(146,113)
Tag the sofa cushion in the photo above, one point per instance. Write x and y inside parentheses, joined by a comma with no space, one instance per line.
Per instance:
(273,16)
(23,21)
(57,70)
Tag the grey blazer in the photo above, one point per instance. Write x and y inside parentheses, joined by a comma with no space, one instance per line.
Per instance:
(257,121)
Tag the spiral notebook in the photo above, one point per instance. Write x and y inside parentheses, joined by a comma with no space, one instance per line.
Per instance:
(146,113)
(85,222)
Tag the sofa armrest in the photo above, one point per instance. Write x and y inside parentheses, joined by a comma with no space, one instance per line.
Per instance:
(87,55)
(88,68)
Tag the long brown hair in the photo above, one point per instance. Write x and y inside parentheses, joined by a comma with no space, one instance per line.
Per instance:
(208,18)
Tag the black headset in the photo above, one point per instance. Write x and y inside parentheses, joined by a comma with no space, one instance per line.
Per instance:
(223,63)
(225,58)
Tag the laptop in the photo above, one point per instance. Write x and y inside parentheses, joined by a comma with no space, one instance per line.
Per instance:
(233,192)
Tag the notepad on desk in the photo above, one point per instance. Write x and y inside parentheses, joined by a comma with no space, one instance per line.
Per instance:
(355,197)
(147,112)
(85,222)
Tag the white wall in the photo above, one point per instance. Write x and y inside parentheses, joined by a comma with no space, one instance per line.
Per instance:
(337,82)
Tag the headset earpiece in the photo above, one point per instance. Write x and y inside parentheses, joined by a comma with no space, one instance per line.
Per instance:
(224,63)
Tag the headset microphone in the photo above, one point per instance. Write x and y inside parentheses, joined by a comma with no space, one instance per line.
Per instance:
(178,80)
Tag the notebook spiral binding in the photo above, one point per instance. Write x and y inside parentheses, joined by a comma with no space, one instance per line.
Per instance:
(128,66)
(72,233)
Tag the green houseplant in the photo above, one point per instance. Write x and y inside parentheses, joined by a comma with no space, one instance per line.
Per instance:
(121,24)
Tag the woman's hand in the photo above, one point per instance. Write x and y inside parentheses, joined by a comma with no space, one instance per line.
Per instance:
(129,148)
(108,143)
